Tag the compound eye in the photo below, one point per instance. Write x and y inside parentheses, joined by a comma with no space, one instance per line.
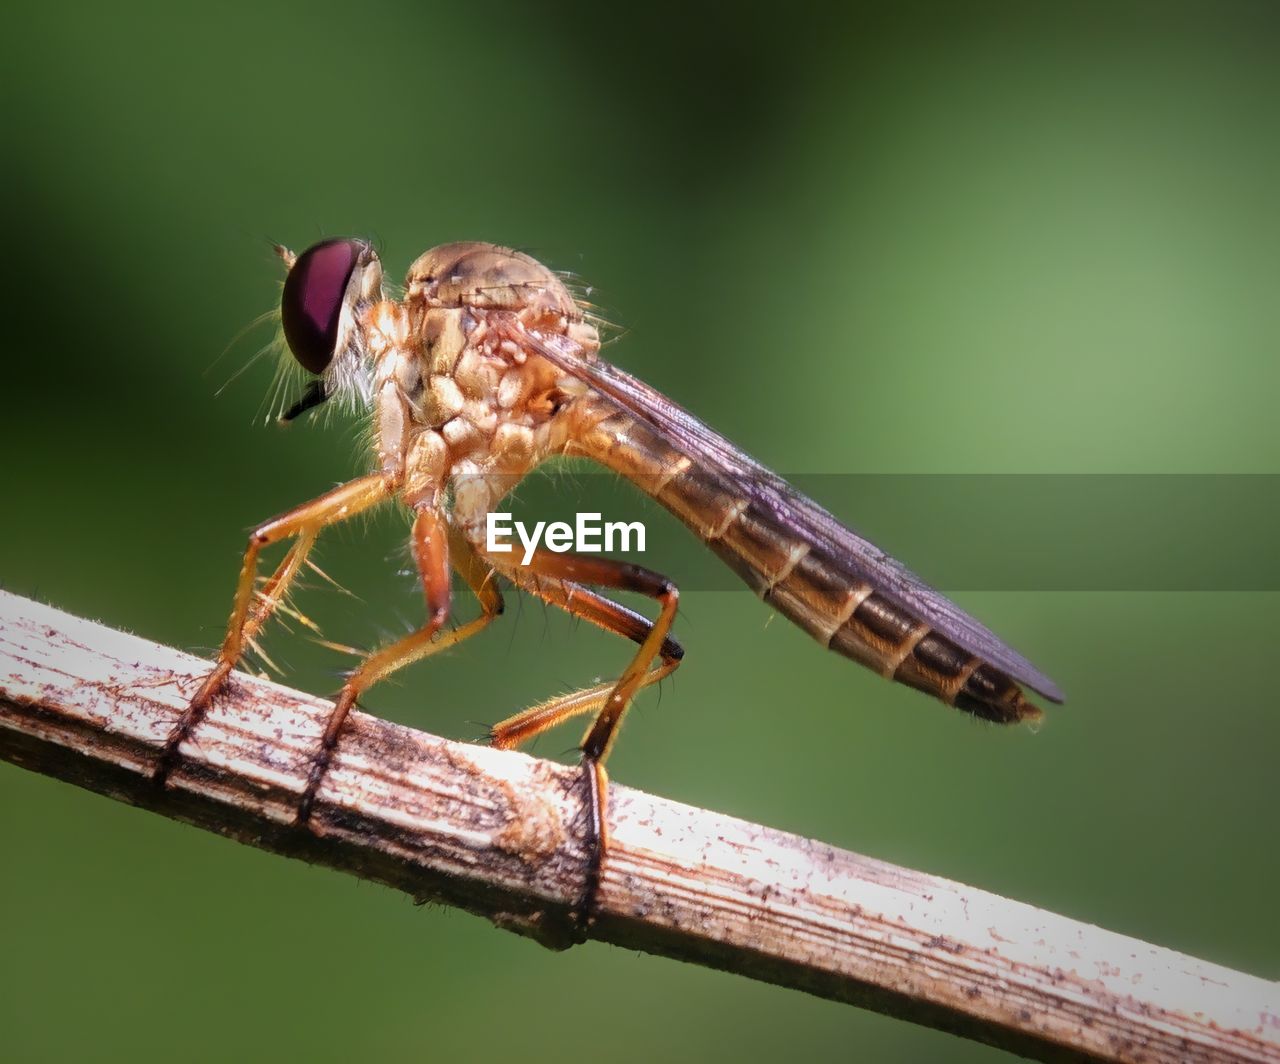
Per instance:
(314,292)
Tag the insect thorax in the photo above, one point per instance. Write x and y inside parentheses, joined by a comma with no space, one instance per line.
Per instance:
(456,394)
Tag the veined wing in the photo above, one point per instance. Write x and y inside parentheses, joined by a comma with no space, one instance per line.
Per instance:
(793,511)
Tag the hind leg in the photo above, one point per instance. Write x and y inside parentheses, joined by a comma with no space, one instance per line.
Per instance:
(559,580)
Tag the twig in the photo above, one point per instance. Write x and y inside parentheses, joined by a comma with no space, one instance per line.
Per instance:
(501,834)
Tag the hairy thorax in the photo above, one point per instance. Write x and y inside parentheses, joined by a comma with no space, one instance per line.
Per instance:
(457,398)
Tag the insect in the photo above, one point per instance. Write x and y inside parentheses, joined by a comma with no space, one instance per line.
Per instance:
(488,367)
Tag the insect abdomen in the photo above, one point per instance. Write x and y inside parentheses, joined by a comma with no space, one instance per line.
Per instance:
(848,615)
(819,593)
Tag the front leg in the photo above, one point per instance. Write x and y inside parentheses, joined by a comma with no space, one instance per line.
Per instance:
(252,608)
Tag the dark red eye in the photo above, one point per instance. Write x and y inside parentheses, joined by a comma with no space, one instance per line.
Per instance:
(312,301)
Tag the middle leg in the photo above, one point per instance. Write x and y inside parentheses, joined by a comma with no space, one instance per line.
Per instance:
(433,540)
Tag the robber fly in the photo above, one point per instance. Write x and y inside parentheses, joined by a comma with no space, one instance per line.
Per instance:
(487,368)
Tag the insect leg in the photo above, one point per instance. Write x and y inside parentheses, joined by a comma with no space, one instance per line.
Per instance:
(612,617)
(434,543)
(557,578)
(253,607)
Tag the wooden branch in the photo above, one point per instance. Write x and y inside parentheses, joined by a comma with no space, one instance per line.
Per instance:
(500,834)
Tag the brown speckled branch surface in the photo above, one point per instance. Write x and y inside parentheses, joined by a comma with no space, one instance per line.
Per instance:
(501,834)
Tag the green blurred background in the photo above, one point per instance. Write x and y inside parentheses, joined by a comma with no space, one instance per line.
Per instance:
(1036,238)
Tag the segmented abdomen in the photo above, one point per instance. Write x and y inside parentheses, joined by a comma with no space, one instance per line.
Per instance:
(822,594)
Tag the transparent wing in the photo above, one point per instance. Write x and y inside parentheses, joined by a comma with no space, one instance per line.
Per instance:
(793,512)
